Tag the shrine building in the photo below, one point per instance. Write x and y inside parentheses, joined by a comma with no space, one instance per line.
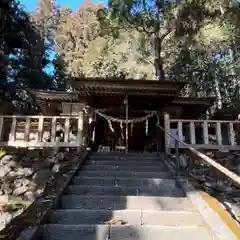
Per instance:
(122,113)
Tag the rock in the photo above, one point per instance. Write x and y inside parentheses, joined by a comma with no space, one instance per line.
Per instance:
(7,189)
(32,186)
(60,156)
(6,158)
(20,190)
(11,176)
(5,218)
(12,164)
(183,160)
(56,167)
(39,192)
(209,154)
(18,183)
(221,154)
(4,170)
(42,176)
(4,199)
(18,212)
(21,182)
(29,195)
(41,165)
(24,172)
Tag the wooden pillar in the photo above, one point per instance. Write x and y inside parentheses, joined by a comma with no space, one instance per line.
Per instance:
(80,132)
(126,150)
(167,130)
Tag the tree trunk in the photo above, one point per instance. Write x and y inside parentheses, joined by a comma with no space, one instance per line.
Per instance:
(158,63)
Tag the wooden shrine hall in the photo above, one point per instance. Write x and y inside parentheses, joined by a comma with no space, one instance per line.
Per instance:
(122,113)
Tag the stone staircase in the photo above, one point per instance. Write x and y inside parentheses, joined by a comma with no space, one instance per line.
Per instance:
(115,196)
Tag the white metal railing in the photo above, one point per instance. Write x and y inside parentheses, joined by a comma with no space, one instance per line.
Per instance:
(41,131)
(205,134)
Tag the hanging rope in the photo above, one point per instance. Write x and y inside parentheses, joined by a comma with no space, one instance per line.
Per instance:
(114,119)
(146,128)
(110,126)
(121,126)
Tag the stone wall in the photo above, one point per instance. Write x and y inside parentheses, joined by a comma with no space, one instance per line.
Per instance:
(23,176)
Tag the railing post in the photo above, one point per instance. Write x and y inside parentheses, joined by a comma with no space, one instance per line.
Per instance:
(27,129)
(205,133)
(231,134)
(192,133)
(13,129)
(219,133)
(53,129)
(180,131)
(177,157)
(66,130)
(167,129)
(40,129)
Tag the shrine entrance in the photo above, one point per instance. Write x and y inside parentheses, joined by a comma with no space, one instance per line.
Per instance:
(134,134)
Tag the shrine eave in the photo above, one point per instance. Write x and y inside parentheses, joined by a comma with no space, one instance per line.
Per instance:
(193,108)
(117,86)
(55,95)
(194,101)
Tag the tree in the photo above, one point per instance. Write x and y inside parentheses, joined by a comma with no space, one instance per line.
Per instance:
(121,57)
(74,33)
(154,19)
(22,54)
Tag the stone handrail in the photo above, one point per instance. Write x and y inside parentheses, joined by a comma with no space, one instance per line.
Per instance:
(232,176)
(15,131)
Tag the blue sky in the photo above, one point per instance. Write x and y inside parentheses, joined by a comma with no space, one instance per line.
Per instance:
(30,5)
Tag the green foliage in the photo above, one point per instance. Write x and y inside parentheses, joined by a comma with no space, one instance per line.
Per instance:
(178,40)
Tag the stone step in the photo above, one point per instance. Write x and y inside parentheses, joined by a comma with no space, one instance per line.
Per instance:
(123,163)
(125,158)
(125,174)
(124,191)
(133,217)
(125,154)
(126,232)
(125,202)
(136,168)
(124,182)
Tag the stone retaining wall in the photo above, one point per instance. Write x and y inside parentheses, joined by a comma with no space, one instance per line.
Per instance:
(23,176)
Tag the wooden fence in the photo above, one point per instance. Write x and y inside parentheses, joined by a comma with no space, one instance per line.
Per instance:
(204,134)
(41,131)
